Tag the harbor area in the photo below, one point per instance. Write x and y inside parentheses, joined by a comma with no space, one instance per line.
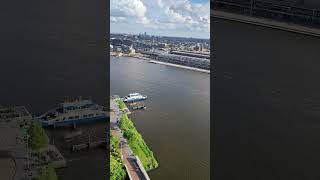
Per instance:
(135,169)
(77,147)
(33,147)
(22,154)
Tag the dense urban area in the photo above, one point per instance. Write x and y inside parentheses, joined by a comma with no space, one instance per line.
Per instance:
(191,52)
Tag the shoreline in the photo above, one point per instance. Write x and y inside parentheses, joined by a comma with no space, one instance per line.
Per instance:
(168,64)
(128,153)
(265,22)
(180,66)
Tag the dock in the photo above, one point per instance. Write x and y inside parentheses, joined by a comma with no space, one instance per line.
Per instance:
(89,145)
(54,156)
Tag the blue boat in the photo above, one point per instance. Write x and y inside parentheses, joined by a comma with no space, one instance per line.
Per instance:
(134,97)
(72,113)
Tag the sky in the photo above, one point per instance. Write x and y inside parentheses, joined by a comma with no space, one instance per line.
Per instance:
(179,18)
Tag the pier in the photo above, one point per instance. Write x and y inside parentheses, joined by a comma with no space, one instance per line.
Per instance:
(89,145)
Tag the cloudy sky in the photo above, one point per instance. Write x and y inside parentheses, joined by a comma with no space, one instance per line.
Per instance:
(181,18)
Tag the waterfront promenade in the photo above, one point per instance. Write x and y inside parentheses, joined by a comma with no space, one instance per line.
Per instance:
(133,170)
(13,149)
(180,66)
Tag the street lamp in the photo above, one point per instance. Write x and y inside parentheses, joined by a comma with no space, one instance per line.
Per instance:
(28,163)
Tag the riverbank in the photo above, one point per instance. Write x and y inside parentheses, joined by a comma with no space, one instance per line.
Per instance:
(117,168)
(260,21)
(140,56)
(131,153)
(137,144)
(180,66)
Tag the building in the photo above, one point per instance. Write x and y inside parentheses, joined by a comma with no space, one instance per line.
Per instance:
(116,42)
(162,45)
(127,42)
(128,49)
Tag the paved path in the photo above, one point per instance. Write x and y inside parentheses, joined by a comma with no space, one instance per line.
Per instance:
(9,132)
(125,150)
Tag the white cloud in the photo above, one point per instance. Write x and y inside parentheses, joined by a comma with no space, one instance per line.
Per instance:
(117,19)
(160,3)
(194,17)
(134,9)
(174,16)
(163,15)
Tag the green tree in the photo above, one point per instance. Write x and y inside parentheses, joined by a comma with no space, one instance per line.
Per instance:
(116,169)
(121,104)
(47,173)
(37,137)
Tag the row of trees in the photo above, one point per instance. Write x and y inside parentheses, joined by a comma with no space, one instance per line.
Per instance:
(117,171)
(121,104)
(47,173)
(38,139)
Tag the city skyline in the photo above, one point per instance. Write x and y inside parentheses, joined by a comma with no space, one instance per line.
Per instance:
(150,35)
(181,18)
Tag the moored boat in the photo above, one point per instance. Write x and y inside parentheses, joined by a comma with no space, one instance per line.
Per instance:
(134,97)
(72,113)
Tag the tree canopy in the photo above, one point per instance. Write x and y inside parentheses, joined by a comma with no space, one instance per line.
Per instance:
(47,173)
(117,171)
(37,137)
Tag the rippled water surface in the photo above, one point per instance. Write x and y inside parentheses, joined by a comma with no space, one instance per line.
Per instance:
(176,122)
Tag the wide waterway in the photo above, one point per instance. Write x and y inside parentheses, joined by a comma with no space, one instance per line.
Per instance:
(176,123)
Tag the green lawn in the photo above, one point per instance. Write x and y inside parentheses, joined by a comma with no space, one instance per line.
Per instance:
(137,144)
(121,104)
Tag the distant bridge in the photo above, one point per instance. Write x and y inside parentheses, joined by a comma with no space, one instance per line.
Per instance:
(241,12)
(274,10)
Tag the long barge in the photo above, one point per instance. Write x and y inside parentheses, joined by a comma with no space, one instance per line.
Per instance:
(73,113)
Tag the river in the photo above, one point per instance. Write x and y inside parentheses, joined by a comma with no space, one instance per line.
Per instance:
(176,123)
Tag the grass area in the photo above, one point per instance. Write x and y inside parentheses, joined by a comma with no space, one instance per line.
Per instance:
(117,171)
(137,144)
(47,173)
(121,104)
